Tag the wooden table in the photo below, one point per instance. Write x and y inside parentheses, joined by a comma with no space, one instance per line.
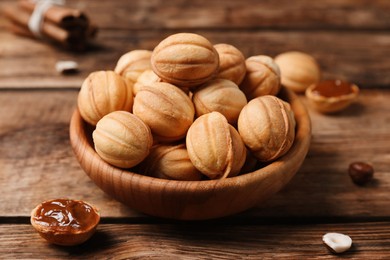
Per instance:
(350,39)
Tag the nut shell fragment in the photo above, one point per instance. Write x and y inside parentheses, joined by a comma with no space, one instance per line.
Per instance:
(67,67)
(337,242)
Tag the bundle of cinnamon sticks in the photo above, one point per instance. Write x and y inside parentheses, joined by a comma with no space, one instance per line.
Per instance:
(62,25)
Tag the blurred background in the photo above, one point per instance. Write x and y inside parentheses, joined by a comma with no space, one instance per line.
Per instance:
(350,39)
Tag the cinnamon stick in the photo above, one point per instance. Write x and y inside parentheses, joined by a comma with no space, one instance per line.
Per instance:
(66,26)
(74,40)
(23,31)
(20,30)
(22,17)
(61,15)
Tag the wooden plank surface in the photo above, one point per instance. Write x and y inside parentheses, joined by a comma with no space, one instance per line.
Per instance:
(35,155)
(232,14)
(350,39)
(358,57)
(202,241)
(37,162)
(250,14)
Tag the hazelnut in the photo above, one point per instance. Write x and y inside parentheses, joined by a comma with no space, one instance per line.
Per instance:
(130,65)
(361,172)
(220,95)
(185,60)
(65,222)
(122,139)
(170,162)
(267,127)
(337,242)
(331,96)
(262,77)
(215,147)
(101,93)
(298,70)
(166,109)
(231,63)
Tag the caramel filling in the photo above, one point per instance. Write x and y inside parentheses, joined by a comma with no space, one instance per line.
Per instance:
(332,88)
(66,214)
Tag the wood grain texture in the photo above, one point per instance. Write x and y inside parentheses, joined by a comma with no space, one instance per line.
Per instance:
(202,241)
(36,155)
(360,133)
(254,14)
(222,14)
(36,162)
(349,38)
(358,57)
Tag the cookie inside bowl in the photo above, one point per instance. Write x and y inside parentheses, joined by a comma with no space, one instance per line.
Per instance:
(193,200)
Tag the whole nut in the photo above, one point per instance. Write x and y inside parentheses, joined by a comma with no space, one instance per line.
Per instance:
(220,95)
(215,147)
(267,127)
(170,162)
(65,222)
(337,242)
(185,60)
(262,77)
(131,64)
(103,92)
(166,109)
(231,63)
(146,78)
(298,70)
(122,139)
(361,172)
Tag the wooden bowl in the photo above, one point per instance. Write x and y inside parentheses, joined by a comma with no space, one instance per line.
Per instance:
(193,200)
